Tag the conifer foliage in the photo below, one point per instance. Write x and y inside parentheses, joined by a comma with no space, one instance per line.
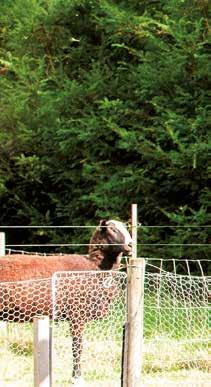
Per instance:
(105,103)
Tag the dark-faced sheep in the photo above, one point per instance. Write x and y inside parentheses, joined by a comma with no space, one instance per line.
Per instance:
(30,276)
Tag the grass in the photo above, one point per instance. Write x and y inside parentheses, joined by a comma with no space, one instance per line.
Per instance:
(16,360)
(101,358)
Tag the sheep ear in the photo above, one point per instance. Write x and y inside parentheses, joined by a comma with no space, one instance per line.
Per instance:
(102,225)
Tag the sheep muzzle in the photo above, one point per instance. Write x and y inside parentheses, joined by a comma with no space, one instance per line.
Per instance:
(127,249)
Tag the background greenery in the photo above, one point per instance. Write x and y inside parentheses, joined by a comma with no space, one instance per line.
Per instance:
(105,103)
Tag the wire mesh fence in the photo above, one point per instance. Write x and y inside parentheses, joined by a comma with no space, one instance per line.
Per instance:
(92,306)
(176,330)
(19,303)
(176,327)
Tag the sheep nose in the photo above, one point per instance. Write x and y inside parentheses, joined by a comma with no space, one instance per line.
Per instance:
(130,245)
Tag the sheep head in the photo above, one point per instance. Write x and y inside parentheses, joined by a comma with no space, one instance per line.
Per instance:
(109,242)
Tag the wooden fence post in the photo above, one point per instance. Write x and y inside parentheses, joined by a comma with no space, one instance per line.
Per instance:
(42,352)
(133,338)
(2,244)
(134,328)
(134,221)
(133,335)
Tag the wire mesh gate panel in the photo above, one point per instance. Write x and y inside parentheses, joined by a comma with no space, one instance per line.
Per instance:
(176,330)
(91,304)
